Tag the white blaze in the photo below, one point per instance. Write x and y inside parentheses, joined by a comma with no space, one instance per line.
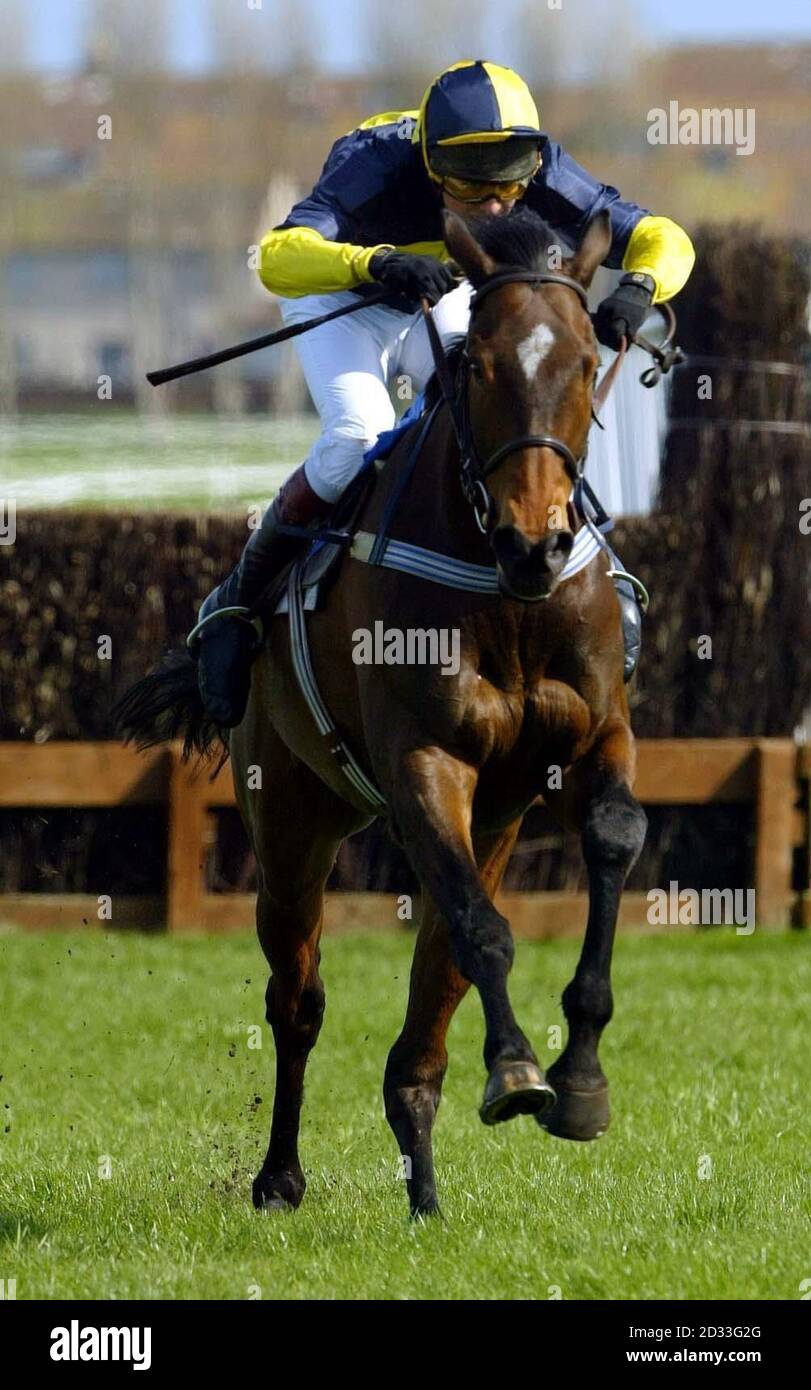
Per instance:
(534,349)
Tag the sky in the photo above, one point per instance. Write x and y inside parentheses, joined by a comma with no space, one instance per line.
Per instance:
(55,27)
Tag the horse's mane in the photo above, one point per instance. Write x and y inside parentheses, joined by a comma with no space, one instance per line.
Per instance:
(520,238)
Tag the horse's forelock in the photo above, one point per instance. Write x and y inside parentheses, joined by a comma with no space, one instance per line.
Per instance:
(520,238)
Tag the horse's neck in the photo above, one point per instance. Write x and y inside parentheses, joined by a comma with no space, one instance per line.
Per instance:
(434,512)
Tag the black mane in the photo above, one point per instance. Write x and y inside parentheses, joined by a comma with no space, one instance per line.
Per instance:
(519,238)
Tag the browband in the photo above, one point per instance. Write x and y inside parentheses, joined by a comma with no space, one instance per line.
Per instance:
(528,277)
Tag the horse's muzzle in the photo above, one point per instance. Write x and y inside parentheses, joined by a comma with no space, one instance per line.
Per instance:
(527,570)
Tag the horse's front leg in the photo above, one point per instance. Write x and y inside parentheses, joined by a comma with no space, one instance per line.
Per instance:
(419,1058)
(431,799)
(598,800)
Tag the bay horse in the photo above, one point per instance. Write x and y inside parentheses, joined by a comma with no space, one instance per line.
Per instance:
(537,707)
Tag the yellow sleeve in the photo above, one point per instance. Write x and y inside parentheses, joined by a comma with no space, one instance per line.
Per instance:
(300,261)
(662,249)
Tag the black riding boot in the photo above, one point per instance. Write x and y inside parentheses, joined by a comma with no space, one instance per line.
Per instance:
(631,625)
(226,645)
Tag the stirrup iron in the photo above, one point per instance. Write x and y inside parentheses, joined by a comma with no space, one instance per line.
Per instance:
(234,611)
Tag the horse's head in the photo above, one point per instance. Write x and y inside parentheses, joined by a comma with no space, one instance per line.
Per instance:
(530,362)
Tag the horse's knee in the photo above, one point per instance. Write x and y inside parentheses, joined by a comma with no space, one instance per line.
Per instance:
(311,1007)
(410,1111)
(412,1087)
(295,1014)
(614,830)
(481,940)
(588,999)
(410,1066)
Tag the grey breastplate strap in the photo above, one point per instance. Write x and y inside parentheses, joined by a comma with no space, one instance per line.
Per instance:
(327,728)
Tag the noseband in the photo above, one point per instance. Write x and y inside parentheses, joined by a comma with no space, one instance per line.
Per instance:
(473,469)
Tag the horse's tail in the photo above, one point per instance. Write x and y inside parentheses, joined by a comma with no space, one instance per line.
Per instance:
(166,705)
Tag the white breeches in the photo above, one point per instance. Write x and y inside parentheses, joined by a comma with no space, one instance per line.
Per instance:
(351,364)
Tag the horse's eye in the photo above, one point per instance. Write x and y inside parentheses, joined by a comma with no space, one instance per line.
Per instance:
(475,368)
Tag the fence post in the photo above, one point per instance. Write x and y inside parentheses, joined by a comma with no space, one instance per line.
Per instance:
(802,907)
(186,834)
(775,797)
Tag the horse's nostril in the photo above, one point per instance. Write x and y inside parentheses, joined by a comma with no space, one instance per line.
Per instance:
(554,550)
(560,543)
(531,568)
(511,545)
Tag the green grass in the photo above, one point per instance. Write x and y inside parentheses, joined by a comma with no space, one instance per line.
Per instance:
(136,1047)
(118,459)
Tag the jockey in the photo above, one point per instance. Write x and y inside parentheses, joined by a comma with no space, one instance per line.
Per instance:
(475,146)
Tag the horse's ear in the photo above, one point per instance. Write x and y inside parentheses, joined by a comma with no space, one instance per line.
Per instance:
(465,249)
(592,250)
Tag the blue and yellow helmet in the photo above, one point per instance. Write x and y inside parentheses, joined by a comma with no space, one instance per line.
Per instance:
(478,121)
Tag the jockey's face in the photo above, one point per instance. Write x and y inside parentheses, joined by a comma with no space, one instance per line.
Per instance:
(471,212)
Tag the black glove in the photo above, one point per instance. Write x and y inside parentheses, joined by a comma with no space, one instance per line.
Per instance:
(623,313)
(414,276)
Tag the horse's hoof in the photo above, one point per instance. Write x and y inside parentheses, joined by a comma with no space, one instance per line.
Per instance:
(515,1088)
(580,1115)
(275,1193)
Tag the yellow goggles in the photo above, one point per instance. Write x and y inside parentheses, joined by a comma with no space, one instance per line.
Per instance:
(470,191)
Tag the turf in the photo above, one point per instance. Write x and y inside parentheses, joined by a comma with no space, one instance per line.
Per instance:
(120,460)
(137,1048)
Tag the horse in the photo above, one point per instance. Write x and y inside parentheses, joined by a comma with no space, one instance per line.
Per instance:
(537,708)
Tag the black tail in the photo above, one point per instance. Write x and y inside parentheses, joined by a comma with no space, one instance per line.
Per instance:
(166,705)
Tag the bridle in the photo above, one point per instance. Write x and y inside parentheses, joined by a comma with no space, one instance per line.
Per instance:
(474,470)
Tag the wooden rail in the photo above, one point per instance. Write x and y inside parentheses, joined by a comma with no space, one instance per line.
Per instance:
(773,776)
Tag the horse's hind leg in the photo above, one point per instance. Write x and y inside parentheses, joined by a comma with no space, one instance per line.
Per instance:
(297,825)
(418,1060)
(289,933)
(598,799)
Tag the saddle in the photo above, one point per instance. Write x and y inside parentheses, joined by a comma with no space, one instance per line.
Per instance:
(319,565)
